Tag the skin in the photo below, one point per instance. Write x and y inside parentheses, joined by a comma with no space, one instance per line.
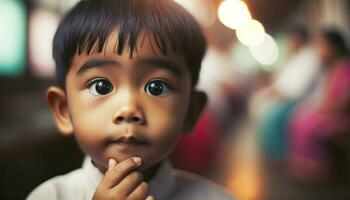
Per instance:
(103,124)
(328,54)
(323,49)
(296,42)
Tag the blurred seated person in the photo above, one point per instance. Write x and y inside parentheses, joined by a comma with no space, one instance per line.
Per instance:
(274,103)
(296,75)
(324,117)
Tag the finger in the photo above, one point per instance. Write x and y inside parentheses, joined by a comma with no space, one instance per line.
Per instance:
(141,192)
(129,183)
(116,172)
(150,198)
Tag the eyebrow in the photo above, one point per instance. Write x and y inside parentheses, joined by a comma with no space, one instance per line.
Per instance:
(153,62)
(96,63)
(162,63)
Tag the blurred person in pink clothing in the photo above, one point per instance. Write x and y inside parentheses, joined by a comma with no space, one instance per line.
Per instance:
(323,119)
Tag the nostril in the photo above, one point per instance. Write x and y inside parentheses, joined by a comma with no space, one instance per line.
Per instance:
(135,119)
(120,118)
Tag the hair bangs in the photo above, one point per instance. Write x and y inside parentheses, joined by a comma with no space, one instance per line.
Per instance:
(86,29)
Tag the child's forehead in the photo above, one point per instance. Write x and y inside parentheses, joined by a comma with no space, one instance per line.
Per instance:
(146,48)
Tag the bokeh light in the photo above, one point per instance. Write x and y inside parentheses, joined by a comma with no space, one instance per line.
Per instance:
(12,37)
(40,42)
(234,14)
(251,34)
(266,53)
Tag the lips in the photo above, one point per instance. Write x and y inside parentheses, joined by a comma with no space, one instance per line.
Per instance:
(132,141)
(128,143)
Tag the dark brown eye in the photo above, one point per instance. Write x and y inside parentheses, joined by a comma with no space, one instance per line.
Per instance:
(100,87)
(157,88)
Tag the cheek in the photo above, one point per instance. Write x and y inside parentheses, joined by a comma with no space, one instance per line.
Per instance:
(88,113)
(87,132)
(167,112)
(163,135)
(88,120)
(166,121)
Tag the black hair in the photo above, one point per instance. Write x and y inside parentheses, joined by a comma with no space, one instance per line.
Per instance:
(335,39)
(87,26)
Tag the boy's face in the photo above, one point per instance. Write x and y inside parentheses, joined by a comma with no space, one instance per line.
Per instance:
(120,107)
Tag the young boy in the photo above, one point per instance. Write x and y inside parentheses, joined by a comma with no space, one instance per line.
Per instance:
(126,71)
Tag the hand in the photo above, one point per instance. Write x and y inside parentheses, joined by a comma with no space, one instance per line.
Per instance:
(122,182)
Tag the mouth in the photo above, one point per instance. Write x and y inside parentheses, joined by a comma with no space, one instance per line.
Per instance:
(129,142)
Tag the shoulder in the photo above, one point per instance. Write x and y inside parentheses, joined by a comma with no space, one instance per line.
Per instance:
(58,186)
(192,186)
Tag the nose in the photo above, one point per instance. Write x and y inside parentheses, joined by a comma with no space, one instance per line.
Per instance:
(128,118)
(129,111)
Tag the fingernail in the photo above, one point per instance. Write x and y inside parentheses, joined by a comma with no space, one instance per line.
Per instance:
(137,160)
(111,163)
(150,198)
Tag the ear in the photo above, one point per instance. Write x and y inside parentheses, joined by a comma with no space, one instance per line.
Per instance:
(57,100)
(197,103)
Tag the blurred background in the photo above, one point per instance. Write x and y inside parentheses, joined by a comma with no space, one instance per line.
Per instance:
(277,73)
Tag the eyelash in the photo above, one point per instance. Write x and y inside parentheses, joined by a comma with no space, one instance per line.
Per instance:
(93,80)
(168,83)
